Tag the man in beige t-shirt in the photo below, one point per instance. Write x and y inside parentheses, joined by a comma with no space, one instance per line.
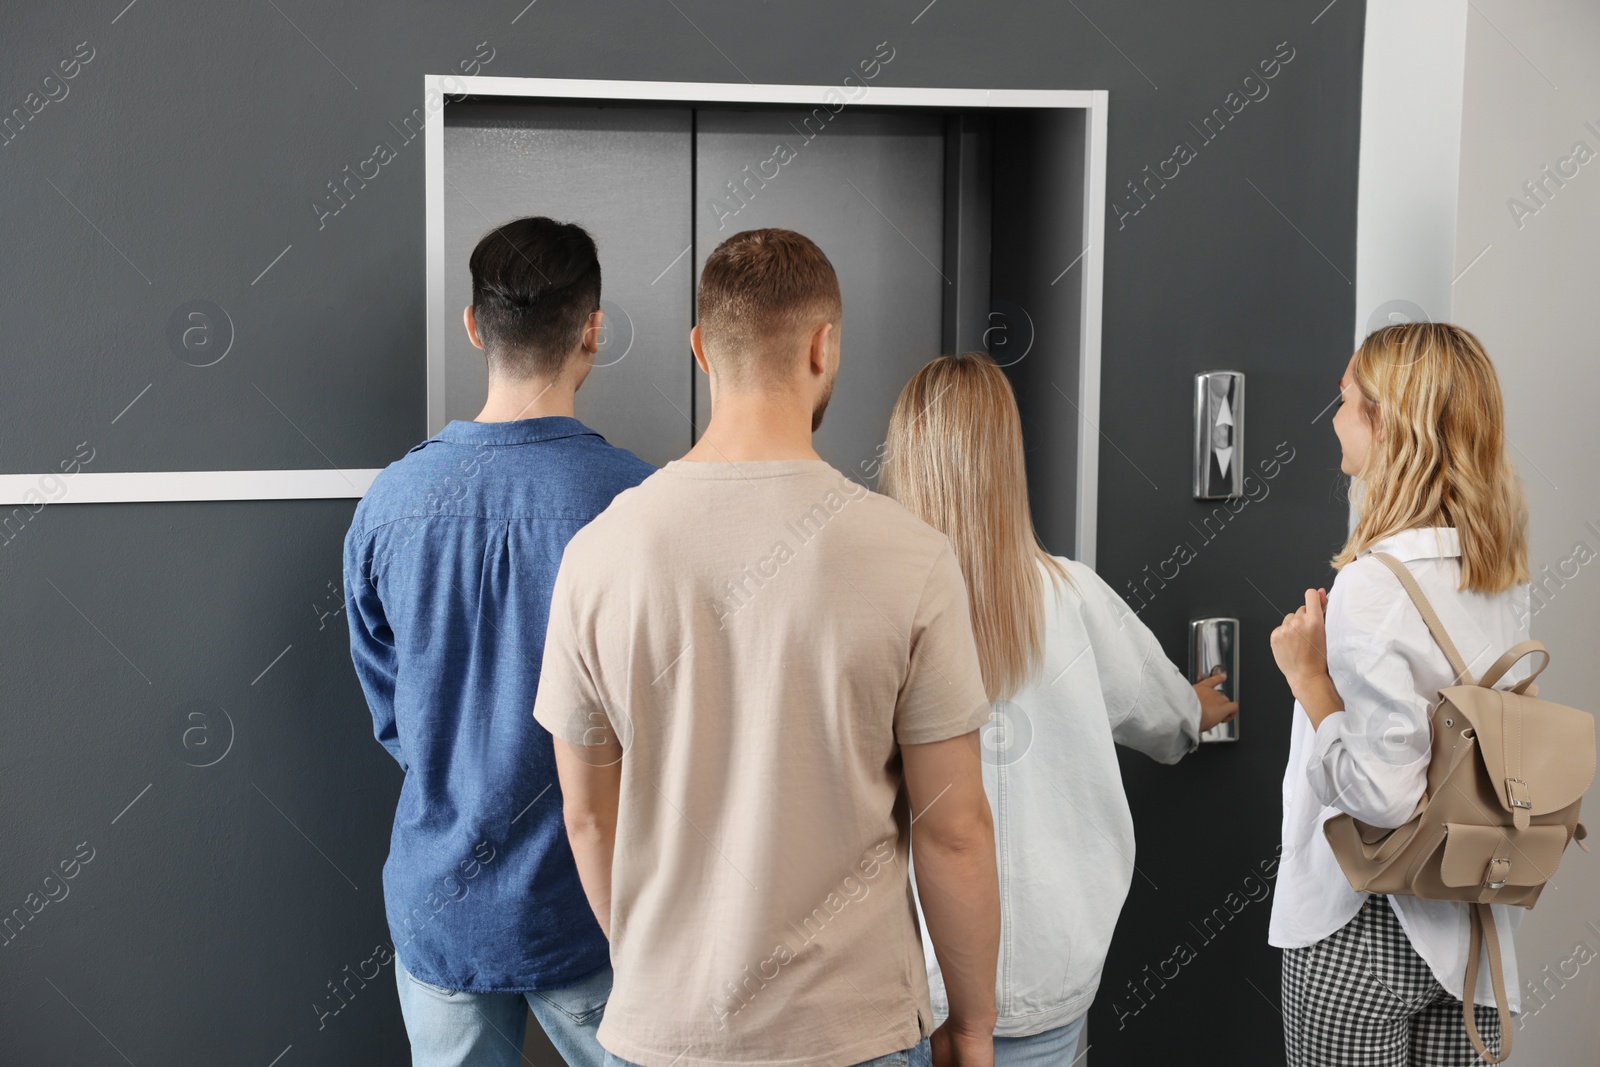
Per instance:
(759,675)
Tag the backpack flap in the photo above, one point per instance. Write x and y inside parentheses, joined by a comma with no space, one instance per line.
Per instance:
(1495,857)
(1528,747)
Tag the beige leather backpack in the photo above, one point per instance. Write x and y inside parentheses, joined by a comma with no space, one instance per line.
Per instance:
(1505,779)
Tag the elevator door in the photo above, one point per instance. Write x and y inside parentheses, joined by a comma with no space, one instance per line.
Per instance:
(868,187)
(624,175)
(660,188)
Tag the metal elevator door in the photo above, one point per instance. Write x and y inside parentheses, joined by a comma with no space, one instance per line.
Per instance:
(660,188)
(624,175)
(868,187)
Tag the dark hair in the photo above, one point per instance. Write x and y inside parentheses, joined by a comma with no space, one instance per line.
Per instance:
(535,282)
(759,287)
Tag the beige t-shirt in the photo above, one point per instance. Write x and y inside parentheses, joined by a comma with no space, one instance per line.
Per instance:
(762,637)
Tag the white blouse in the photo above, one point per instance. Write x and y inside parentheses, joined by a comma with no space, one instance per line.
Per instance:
(1371,759)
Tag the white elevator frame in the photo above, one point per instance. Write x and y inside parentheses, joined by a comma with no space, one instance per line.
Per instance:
(1092,101)
(325,483)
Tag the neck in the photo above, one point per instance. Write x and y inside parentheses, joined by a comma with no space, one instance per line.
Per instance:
(751,427)
(532,398)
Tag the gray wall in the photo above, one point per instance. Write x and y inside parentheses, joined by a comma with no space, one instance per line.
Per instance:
(189,152)
(1526,298)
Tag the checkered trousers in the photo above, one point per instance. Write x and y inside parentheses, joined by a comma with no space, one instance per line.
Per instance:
(1362,997)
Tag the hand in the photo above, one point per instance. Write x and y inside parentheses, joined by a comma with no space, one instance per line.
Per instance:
(1215,707)
(1300,645)
(955,1047)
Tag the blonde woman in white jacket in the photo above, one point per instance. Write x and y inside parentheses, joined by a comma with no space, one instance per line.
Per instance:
(1071,672)
(1370,979)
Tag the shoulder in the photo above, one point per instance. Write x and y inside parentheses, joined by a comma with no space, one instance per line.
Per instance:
(619,467)
(875,521)
(626,517)
(1086,600)
(889,518)
(1363,574)
(1364,594)
(1370,615)
(1083,587)
(393,493)
(888,531)
(1083,577)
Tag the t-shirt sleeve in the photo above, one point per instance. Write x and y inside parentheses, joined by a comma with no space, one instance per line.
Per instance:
(943,695)
(568,702)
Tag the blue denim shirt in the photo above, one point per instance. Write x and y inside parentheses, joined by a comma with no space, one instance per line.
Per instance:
(448,568)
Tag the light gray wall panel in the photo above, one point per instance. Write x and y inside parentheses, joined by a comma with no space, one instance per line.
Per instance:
(178,682)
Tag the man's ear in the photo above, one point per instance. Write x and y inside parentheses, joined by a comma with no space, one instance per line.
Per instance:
(818,353)
(697,346)
(592,333)
(470,320)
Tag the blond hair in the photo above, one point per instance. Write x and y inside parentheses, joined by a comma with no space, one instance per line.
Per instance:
(954,459)
(1438,455)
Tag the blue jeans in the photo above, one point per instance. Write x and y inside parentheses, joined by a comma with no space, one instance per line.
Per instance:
(916,1054)
(454,1029)
(1051,1048)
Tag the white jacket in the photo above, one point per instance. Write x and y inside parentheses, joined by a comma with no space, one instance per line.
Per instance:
(1063,831)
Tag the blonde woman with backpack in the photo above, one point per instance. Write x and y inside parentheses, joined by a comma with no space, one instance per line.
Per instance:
(1368,979)
(1072,673)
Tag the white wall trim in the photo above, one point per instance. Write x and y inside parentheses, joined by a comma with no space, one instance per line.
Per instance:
(1094,231)
(85,487)
(735,93)
(1094,101)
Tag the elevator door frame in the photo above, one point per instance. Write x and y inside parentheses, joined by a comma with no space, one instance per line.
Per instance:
(1093,102)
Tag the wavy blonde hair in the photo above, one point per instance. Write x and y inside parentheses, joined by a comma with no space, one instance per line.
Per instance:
(1438,451)
(954,459)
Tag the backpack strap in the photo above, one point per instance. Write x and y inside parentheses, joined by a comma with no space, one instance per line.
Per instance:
(1429,616)
(1511,714)
(1484,932)
(1513,655)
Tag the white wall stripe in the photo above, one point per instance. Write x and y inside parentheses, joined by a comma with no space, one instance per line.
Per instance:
(100,487)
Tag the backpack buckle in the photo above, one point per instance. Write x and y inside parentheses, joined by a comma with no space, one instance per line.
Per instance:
(1499,870)
(1517,793)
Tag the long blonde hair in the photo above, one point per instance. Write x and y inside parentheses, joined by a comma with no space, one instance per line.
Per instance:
(1438,455)
(954,459)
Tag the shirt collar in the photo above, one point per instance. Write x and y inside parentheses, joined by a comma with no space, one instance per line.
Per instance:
(516,432)
(1430,542)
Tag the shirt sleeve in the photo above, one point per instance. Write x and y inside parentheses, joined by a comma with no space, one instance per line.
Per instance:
(568,702)
(1152,707)
(942,695)
(372,648)
(1371,759)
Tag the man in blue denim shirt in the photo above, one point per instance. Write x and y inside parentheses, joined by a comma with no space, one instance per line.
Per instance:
(448,568)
